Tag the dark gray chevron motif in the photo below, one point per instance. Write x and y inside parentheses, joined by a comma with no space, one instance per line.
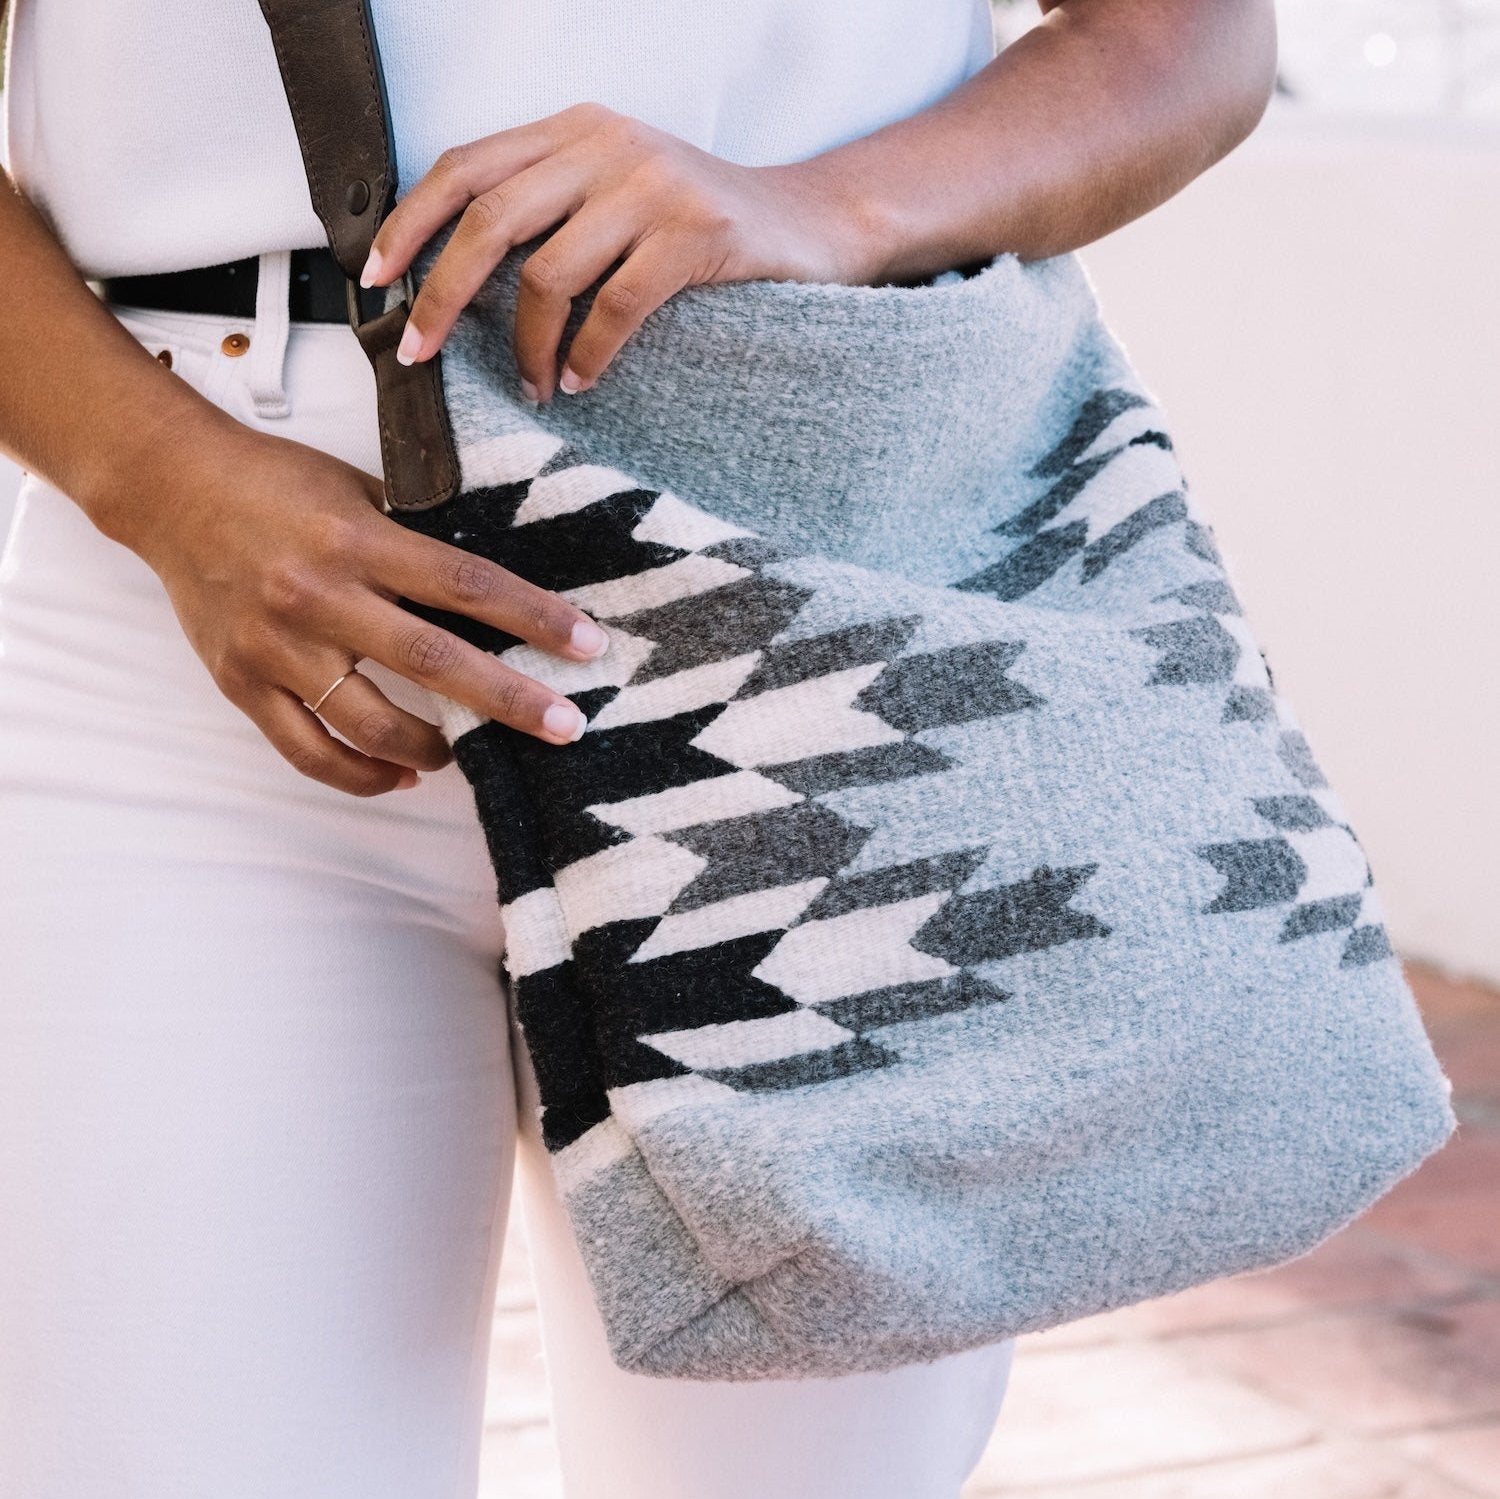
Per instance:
(1033,913)
(1312,872)
(1198,649)
(1111,488)
(1079,514)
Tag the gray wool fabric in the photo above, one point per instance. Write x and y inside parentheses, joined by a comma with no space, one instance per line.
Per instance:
(943,929)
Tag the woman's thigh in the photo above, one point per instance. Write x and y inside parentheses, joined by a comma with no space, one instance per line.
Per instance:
(912,1433)
(256,1104)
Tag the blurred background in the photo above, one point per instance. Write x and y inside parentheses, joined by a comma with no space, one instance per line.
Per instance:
(1320,316)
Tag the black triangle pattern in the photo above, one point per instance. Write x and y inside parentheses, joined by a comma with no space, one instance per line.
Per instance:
(594,1013)
(733,840)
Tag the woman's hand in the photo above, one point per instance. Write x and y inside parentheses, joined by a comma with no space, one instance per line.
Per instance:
(673,215)
(285,573)
(1098,114)
(279,562)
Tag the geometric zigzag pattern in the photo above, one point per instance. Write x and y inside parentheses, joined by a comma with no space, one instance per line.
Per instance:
(688,897)
(1313,866)
(694,867)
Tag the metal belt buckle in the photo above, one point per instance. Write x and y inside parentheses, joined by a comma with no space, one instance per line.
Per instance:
(357,298)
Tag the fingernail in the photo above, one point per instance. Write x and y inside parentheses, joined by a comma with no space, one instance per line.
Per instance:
(588,639)
(371,270)
(564,720)
(569,383)
(410,345)
(406,780)
(530,391)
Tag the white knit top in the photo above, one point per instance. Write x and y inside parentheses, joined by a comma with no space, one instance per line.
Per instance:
(155,134)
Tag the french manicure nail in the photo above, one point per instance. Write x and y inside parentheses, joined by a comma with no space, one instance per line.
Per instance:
(410,345)
(569,383)
(371,270)
(588,639)
(564,720)
(530,391)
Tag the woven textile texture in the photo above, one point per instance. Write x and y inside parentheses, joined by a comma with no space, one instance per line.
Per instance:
(943,929)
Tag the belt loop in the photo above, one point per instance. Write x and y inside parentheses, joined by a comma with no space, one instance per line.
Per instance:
(268,346)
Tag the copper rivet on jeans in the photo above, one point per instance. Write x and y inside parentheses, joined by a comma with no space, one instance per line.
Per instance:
(165,357)
(235,344)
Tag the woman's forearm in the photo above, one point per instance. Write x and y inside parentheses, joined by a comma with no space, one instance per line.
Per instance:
(81,402)
(1089,120)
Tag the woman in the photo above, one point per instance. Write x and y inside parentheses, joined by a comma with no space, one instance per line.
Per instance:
(251,1194)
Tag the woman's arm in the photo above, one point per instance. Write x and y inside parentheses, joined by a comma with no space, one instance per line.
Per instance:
(278,562)
(1090,119)
(80,401)
(1094,117)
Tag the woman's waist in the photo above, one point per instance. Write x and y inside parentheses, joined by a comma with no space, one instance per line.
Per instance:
(320,370)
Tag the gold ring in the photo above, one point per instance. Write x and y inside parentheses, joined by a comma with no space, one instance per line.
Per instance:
(313,707)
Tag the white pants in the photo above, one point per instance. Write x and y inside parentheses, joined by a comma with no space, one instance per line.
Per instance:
(257,1107)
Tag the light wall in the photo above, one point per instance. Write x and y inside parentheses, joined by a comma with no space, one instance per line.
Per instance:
(1321,316)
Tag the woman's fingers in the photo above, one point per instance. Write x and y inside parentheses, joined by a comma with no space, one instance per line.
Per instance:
(438,660)
(626,195)
(428,571)
(457,177)
(650,275)
(571,261)
(309,748)
(359,711)
(509,213)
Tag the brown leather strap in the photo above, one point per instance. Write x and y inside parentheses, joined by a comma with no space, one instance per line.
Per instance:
(330,68)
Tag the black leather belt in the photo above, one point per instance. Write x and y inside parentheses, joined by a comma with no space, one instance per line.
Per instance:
(319,292)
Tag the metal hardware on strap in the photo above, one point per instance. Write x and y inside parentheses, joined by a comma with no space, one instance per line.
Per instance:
(355,295)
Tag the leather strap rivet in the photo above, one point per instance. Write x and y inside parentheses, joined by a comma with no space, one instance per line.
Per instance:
(357,198)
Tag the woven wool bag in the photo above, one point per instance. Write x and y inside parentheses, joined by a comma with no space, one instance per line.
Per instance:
(943,929)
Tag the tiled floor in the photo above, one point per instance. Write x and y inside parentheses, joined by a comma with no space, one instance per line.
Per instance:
(1369,1369)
